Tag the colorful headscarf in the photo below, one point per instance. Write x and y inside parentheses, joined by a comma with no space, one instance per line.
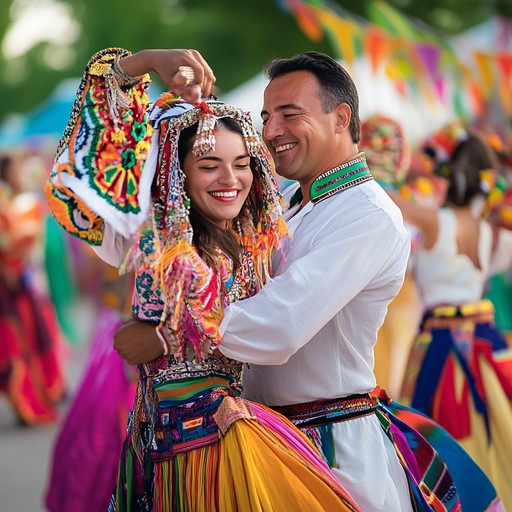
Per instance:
(114,151)
(387,153)
(177,268)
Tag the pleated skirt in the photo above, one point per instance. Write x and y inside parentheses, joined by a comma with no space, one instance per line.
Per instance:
(460,374)
(243,457)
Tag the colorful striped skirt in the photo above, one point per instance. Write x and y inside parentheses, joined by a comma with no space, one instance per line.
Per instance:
(460,374)
(440,474)
(207,449)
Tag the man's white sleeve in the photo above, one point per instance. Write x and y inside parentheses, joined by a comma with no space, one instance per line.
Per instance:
(268,328)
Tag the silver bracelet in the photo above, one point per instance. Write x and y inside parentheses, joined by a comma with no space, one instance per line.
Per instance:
(122,76)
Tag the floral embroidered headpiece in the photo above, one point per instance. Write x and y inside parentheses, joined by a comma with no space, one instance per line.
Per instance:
(387,153)
(169,116)
(440,146)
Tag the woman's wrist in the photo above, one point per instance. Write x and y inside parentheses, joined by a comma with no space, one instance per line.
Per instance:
(134,66)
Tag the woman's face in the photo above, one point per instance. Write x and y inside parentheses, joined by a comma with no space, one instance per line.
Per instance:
(218,182)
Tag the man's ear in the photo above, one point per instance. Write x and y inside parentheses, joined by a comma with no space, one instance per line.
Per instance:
(343,115)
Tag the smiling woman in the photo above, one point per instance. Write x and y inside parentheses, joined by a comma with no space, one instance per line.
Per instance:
(219,182)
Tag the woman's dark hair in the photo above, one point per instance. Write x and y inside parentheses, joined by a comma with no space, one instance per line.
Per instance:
(336,85)
(208,236)
(469,158)
(5,167)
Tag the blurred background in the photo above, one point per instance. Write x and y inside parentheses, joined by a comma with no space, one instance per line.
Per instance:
(424,64)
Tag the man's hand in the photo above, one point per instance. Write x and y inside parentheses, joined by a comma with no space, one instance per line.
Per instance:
(137,342)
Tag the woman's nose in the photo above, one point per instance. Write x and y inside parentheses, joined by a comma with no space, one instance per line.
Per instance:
(228,176)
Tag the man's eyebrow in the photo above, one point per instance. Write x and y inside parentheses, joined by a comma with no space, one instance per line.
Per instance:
(286,106)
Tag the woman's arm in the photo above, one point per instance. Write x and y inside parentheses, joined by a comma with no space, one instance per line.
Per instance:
(422,217)
(502,256)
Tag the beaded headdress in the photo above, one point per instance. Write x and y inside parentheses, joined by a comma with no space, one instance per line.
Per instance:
(117,165)
(385,146)
(169,117)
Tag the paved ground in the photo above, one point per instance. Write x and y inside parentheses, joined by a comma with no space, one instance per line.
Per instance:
(25,451)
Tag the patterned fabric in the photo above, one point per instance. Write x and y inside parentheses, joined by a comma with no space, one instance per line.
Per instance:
(432,487)
(441,475)
(456,335)
(460,374)
(97,174)
(228,454)
(467,475)
(347,175)
(316,413)
(31,372)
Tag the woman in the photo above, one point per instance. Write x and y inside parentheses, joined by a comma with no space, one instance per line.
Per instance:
(31,373)
(459,370)
(184,195)
(389,157)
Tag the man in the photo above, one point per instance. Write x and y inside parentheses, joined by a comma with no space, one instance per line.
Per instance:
(309,334)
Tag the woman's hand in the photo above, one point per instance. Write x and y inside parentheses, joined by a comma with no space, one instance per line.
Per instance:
(137,342)
(166,64)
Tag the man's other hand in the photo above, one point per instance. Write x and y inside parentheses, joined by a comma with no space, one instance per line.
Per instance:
(137,342)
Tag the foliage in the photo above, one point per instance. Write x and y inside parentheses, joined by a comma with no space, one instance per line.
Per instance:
(235,37)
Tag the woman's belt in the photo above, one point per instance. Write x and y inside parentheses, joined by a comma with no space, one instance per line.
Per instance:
(468,309)
(445,315)
(321,412)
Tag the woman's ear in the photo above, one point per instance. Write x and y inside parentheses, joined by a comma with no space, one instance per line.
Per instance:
(343,115)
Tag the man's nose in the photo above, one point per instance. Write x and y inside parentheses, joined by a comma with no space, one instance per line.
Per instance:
(272,129)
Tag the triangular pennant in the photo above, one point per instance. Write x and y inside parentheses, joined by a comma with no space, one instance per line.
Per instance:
(342,32)
(504,61)
(484,62)
(430,55)
(376,44)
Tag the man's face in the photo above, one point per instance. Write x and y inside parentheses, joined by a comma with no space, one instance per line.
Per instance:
(299,135)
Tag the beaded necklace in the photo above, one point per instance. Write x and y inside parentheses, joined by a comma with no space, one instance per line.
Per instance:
(349,174)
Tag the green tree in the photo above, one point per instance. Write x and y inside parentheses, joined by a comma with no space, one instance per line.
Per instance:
(236,38)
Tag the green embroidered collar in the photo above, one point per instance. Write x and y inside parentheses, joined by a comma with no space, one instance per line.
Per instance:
(351,173)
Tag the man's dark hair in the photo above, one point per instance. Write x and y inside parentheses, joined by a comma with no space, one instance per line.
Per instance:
(336,85)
